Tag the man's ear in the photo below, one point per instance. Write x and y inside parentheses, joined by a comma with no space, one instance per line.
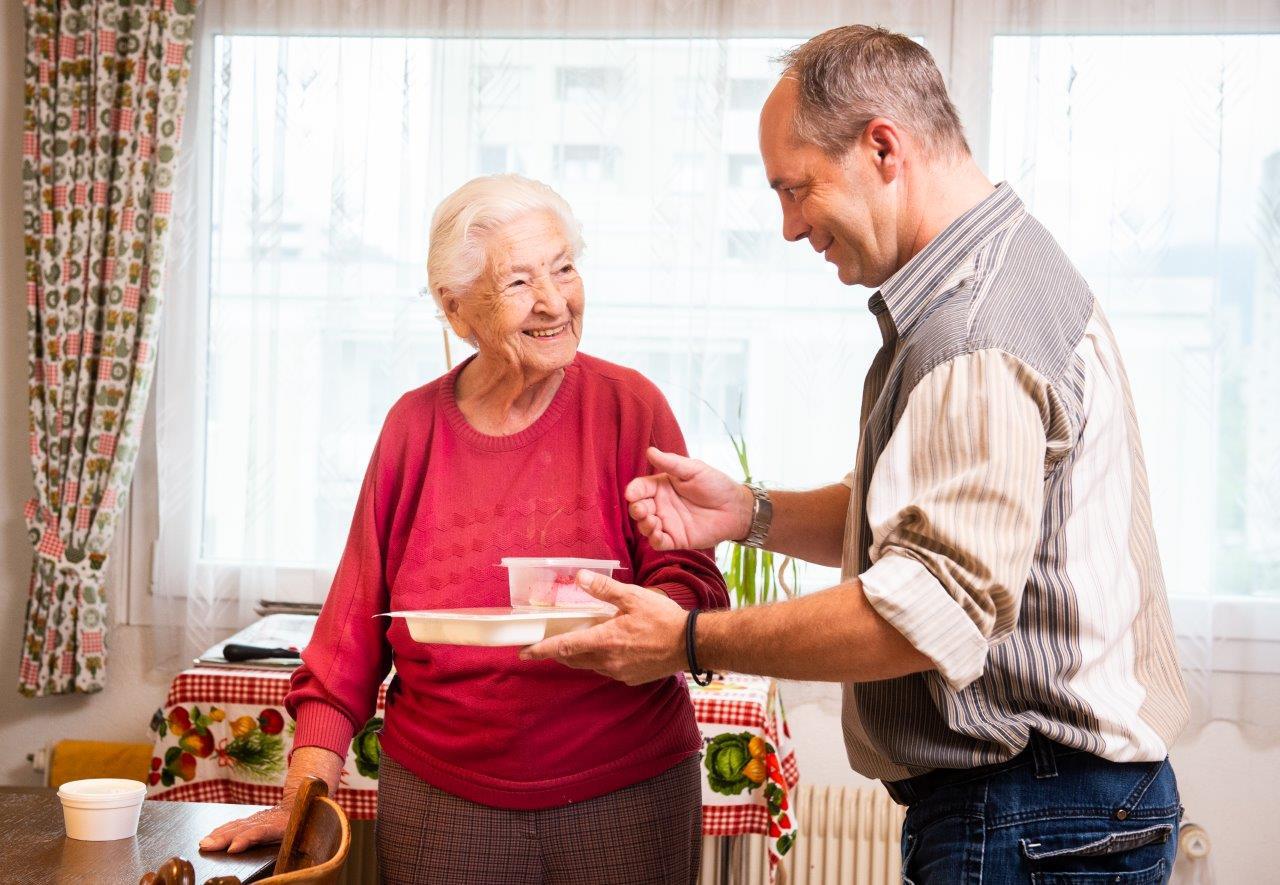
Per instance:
(883,142)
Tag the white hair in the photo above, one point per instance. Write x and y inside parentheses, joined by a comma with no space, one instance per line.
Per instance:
(465,218)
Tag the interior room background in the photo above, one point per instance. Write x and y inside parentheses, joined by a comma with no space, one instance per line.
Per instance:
(320,136)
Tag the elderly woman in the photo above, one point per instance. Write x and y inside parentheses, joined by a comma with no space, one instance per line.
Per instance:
(494,769)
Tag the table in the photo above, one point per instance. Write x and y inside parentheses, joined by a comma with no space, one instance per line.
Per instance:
(35,843)
(223,736)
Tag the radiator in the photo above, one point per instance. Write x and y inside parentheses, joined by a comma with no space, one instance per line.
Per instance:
(846,837)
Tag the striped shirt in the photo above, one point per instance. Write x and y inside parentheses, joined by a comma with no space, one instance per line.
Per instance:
(999,515)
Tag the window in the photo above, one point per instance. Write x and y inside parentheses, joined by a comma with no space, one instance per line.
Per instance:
(496,158)
(748,93)
(584,162)
(745,169)
(695,96)
(688,172)
(1155,160)
(317,237)
(746,245)
(501,85)
(578,85)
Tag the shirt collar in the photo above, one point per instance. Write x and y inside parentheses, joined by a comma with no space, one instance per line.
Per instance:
(906,294)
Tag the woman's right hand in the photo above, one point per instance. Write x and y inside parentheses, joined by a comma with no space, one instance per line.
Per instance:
(260,828)
(689,506)
(268,825)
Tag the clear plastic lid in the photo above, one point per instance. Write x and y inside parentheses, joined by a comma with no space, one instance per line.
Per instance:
(496,615)
(557,562)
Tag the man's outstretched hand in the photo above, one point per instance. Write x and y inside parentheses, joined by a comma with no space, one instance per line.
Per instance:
(688,505)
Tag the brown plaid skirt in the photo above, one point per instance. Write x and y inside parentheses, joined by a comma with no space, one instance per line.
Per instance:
(650,832)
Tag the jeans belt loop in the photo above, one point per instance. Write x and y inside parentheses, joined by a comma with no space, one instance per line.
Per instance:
(1046,762)
(900,791)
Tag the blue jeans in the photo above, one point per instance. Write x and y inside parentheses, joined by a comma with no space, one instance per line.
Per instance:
(1049,816)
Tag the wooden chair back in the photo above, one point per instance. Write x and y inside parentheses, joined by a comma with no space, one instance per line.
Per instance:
(314,848)
(316,842)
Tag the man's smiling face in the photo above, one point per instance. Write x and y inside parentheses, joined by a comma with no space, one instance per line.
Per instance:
(841,205)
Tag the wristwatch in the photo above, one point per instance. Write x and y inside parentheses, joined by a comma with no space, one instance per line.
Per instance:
(761,516)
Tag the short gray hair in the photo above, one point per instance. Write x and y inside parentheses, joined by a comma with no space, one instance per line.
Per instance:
(463,220)
(850,75)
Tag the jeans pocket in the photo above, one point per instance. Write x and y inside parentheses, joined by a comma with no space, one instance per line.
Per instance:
(1152,875)
(1095,844)
(1114,856)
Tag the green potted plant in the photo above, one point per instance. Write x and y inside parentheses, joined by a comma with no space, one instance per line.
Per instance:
(754,577)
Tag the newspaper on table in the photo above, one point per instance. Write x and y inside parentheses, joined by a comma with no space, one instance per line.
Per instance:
(285,607)
(272,631)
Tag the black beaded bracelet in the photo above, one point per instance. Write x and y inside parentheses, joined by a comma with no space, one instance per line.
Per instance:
(701,677)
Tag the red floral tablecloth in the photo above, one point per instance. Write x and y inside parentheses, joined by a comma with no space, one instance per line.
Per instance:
(223,736)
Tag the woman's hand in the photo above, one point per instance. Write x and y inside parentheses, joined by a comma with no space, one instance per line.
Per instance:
(260,828)
(689,506)
(268,825)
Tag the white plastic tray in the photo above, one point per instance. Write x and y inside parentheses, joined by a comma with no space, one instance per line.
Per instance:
(494,627)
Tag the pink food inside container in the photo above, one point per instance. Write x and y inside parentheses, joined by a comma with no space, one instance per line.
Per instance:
(553,581)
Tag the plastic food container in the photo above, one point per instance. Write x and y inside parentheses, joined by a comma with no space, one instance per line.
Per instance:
(101,809)
(494,626)
(553,582)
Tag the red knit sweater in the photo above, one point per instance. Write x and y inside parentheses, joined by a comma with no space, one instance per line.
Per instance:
(441,504)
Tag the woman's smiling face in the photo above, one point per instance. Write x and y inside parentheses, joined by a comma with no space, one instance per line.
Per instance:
(525,309)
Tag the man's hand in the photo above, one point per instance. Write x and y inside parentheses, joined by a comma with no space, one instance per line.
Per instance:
(644,641)
(689,506)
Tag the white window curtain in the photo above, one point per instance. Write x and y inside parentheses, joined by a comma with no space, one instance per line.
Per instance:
(1155,159)
(1145,137)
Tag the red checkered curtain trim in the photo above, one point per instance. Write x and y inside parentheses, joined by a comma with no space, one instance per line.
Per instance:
(106,87)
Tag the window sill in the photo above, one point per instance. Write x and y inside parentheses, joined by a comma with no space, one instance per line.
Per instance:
(230,591)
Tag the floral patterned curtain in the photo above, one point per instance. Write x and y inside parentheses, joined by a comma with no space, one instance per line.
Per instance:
(105,90)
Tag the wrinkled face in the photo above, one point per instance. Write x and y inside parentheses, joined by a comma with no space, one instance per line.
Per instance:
(843,206)
(525,309)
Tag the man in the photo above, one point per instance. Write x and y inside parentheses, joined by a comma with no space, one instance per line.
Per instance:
(1001,628)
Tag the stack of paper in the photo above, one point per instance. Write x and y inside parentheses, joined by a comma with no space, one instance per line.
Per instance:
(273,631)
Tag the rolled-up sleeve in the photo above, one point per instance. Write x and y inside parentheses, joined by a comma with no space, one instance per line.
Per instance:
(955,505)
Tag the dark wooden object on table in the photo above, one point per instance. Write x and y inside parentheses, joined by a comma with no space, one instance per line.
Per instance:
(174,871)
(35,842)
(315,845)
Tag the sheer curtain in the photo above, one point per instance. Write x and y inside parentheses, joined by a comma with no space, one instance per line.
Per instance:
(326,134)
(1150,145)
(1144,136)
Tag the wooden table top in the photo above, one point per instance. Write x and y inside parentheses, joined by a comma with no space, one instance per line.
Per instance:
(35,843)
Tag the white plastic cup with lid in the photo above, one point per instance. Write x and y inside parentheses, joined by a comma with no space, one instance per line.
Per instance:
(101,809)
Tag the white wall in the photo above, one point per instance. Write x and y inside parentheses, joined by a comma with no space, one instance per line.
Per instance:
(1229,779)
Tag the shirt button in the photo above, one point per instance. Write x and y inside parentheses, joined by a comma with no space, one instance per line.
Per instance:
(1122,814)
